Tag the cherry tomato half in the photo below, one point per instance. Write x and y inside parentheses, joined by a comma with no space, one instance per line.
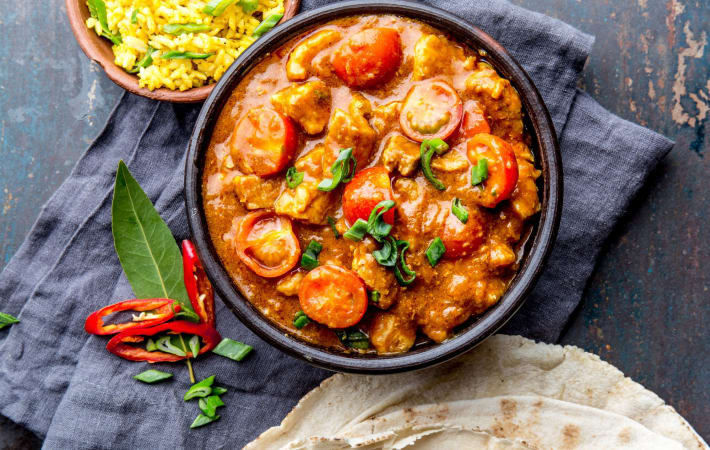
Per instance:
(474,120)
(502,168)
(432,109)
(266,243)
(368,188)
(264,142)
(461,239)
(368,58)
(333,296)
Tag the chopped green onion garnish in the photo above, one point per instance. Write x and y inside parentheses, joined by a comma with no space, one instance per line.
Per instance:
(426,152)
(479,172)
(203,420)
(376,225)
(216,7)
(164,344)
(375,296)
(404,245)
(232,349)
(200,389)
(183,28)
(218,390)
(249,6)
(293,177)
(134,17)
(175,54)
(97,9)
(435,251)
(152,376)
(210,404)
(146,61)
(309,259)
(7,319)
(300,320)
(331,222)
(459,210)
(342,169)
(353,339)
(267,24)
(387,255)
(194,344)
(357,231)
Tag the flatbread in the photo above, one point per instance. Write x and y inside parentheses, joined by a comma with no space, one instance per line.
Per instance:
(501,366)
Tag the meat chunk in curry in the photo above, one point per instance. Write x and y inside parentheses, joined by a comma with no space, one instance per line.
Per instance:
(375,176)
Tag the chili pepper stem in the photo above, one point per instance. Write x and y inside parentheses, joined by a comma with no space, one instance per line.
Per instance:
(187,360)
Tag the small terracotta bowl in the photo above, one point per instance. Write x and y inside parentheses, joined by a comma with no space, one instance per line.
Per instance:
(99,49)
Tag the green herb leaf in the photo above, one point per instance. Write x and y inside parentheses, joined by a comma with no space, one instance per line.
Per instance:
(309,259)
(426,152)
(216,7)
(232,349)
(152,376)
(375,297)
(293,177)
(353,339)
(343,170)
(331,222)
(202,420)
(7,319)
(174,54)
(387,255)
(150,345)
(357,231)
(145,245)
(218,390)
(210,404)
(267,24)
(435,251)
(402,263)
(249,6)
(300,320)
(134,17)
(459,210)
(376,225)
(479,172)
(194,344)
(164,345)
(200,389)
(184,28)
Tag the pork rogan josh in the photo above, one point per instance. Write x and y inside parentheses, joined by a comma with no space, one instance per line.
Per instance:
(367,185)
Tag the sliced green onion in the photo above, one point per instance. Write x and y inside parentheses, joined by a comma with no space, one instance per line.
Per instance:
(459,210)
(435,251)
(165,345)
(200,389)
(405,270)
(357,231)
(150,345)
(184,28)
(353,339)
(97,9)
(300,320)
(146,61)
(134,17)
(376,225)
(387,255)
(219,390)
(210,404)
(342,169)
(232,349)
(309,259)
(375,296)
(216,7)
(267,24)
(293,177)
(194,344)
(202,420)
(249,6)
(479,172)
(331,222)
(152,376)
(175,54)
(426,152)
(7,319)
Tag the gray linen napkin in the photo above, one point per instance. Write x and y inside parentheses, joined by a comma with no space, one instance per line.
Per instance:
(64,386)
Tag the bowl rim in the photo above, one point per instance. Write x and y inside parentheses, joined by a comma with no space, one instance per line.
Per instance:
(99,50)
(531,266)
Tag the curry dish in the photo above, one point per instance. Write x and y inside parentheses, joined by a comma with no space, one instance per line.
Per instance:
(367,186)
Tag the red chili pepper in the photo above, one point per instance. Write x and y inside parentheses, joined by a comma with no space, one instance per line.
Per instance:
(118,345)
(162,310)
(199,288)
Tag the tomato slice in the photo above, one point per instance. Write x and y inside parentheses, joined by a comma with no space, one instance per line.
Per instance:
(368,58)
(333,296)
(462,239)
(368,188)
(502,168)
(264,142)
(432,109)
(474,120)
(266,243)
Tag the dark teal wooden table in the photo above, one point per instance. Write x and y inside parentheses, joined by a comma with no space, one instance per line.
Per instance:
(647,307)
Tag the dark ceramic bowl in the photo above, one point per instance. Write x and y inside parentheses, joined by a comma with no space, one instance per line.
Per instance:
(535,251)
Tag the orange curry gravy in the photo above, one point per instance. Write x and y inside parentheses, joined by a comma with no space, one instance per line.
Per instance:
(367,120)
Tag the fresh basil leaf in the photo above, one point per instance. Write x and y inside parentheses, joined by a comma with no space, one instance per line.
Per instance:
(6,320)
(202,420)
(152,376)
(232,349)
(145,245)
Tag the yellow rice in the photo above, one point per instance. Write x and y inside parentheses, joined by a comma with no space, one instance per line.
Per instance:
(230,34)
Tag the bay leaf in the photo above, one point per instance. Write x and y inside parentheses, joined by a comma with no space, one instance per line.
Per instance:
(145,245)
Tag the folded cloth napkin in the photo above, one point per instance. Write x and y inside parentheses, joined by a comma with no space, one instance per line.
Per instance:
(63,385)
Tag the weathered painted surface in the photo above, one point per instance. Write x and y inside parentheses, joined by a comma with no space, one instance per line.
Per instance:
(648,304)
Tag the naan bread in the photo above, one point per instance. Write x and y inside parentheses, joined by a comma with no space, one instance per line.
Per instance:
(501,366)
